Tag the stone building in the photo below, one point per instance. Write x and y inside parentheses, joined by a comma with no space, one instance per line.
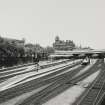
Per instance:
(16,42)
(63,45)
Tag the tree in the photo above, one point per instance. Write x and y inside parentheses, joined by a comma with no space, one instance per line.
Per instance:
(49,49)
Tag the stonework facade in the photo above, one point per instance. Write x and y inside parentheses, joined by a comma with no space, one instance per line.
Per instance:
(63,45)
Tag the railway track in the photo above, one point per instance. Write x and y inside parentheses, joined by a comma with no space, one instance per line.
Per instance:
(58,86)
(46,73)
(93,94)
(11,73)
(36,83)
(14,68)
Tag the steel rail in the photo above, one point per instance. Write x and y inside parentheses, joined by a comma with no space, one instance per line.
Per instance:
(6,76)
(42,94)
(4,94)
(96,92)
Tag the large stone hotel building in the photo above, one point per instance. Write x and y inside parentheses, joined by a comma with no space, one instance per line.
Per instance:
(63,45)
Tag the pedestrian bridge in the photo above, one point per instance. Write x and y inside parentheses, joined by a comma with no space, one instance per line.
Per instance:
(79,53)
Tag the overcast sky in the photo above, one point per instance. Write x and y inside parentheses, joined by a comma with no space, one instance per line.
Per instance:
(39,21)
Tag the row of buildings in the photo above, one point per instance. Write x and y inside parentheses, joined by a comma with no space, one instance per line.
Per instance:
(20,48)
(57,45)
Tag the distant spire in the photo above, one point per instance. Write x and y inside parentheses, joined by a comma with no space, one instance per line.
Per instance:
(57,38)
(23,39)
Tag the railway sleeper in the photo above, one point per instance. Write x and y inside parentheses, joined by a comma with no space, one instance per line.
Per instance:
(99,87)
